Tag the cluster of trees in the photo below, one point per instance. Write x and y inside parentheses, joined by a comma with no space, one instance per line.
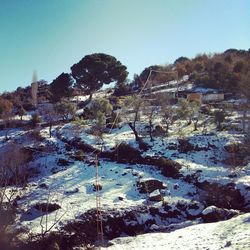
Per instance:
(229,71)
(89,75)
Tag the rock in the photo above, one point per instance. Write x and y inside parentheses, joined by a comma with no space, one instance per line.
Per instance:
(223,196)
(63,162)
(46,207)
(150,185)
(232,147)
(214,214)
(172,146)
(159,131)
(43,185)
(97,187)
(73,191)
(155,196)
(125,153)
(185,146)
(120,198)
(154,227)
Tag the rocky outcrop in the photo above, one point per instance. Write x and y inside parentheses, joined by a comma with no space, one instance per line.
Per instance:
(222,196)
(46,207)
(185,146)
(156,196)
(150,185)
(214,214)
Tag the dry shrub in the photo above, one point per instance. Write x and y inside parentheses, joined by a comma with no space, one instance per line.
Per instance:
(13,165)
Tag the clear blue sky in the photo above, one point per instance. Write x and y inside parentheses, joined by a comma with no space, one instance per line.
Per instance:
(49,36)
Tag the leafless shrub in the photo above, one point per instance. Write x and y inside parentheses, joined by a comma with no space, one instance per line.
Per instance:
(13,165)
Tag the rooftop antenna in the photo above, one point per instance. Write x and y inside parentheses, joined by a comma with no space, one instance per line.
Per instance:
(99,226)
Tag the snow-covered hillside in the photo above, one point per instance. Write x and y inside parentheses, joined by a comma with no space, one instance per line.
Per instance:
(231,234)
(175,185)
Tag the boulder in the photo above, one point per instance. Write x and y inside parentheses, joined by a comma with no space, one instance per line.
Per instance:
(155,196)
(43,185)
(232,147)
(223,196)
(72,191)
(214,214)
(63,162)
(46,207)
(150,185)
(97,187)
(185,146)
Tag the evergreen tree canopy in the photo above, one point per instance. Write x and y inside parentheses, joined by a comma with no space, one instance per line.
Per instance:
(61,87)
(94,70)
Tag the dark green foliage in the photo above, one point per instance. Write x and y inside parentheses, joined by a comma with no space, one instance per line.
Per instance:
(94,70)
(181,59)
(61,87)
(122,89)
(65,109)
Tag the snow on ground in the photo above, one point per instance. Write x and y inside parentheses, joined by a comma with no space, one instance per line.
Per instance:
(73,190)
(231,234)
(72,186)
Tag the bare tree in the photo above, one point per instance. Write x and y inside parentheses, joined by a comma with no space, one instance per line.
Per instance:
(13,170)
(136,103)
(5,113)
(50,116)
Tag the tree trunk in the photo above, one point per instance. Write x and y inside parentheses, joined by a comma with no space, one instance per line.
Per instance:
(195,125)
(150,130)
(137,138)
(6,131)
(244,120)
(50,130)
(90,97)
(167,128)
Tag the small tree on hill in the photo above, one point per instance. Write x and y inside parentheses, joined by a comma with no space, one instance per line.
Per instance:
(5,113)
(35,119)
(94,70)
(194,112)
(219,117)
(101,110)
(50,116)
(136,103)
(166,109)
(21,112)
(183,110)
(65,109)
